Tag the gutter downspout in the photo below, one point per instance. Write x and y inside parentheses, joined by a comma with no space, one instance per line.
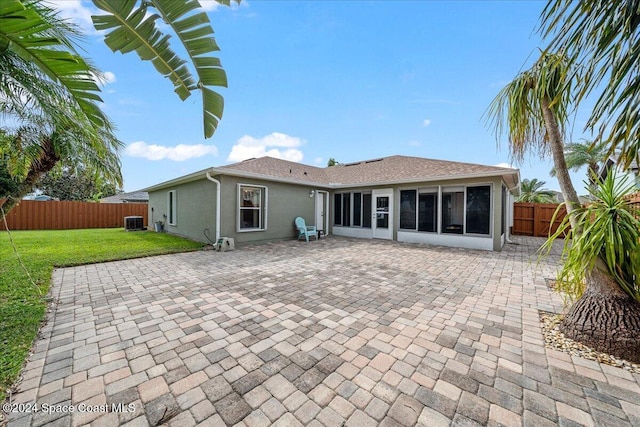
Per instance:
(510,219)
(210,178)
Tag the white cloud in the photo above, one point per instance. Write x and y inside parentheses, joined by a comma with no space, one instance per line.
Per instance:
(76,12)
(504,165)
(178,153)
(414,143)
(249,147)
(318,161)
(426,122)
(104,78)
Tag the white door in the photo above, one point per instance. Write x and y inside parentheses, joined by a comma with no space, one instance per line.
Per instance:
(382,214)
(321,198)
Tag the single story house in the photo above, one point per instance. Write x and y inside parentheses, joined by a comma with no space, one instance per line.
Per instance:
(408,199)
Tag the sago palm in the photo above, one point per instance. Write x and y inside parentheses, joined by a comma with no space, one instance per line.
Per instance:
(533,110)
(531,191)
(601,270)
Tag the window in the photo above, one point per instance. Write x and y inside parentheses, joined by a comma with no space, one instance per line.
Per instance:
(452,210)
(478,209)
(366,210)
(352,209)
(428,212)
(408,209)
(337,209)
(346,209)
(172,209)
(419,210)
(357,209)
(251,207)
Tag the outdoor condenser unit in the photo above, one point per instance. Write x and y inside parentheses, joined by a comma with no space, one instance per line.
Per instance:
(133,223)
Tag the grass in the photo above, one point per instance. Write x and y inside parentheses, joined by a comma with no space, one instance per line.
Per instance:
(22,308)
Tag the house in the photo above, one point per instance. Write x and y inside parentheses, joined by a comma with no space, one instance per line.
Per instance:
(408,199)
(131,197)
(632,174)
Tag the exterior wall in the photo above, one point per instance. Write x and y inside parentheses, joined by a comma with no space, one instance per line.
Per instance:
(494,241)
(195,209)
(285,202)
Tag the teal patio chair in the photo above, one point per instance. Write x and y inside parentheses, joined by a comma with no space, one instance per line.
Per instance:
(304,230)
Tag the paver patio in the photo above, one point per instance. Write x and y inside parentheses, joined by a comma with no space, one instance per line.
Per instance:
(334,332)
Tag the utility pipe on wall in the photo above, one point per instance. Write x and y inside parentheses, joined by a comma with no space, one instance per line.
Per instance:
(210,178)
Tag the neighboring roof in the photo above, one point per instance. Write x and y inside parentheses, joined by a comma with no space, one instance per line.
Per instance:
(386,170)
(131,197)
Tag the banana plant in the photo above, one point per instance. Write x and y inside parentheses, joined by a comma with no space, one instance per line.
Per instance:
(131,25)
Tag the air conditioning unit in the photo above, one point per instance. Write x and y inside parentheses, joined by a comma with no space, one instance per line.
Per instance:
(133,223)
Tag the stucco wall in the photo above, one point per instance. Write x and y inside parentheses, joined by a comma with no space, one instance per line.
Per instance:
(285,202)
(195,209)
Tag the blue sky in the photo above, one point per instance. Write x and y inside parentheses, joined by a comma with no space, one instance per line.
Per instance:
(310,80)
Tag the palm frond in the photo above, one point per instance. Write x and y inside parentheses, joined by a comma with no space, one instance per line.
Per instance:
(604,38)
(37,36)
(131,27)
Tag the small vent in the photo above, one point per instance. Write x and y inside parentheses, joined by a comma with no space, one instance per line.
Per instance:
(133,223)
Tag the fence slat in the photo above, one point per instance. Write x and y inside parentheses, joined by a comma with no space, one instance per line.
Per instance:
(64,215)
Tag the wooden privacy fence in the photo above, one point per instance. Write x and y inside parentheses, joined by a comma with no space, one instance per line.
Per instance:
(534,219)
(64,215)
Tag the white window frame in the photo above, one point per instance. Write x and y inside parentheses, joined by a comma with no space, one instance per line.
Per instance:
(264,200)
(172,207)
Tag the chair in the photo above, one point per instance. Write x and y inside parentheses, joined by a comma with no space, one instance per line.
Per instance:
(305,230)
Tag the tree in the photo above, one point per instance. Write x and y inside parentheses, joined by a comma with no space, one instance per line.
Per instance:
(49,93)
(589,154)
(605,256)
(67,184)
(49,100)
(603,37)
(534,109)
(531,192)
(131,26)
(332,162)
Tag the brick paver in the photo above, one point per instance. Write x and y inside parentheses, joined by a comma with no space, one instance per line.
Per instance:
(334,332)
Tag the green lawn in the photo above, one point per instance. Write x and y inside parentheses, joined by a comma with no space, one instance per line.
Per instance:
(21,307)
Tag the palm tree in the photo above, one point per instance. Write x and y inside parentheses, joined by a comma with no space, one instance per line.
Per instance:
(49,100)
(49,93)
(606,257)
(533,109)
(131,26)
(589,154)
(531,191)
(604,38)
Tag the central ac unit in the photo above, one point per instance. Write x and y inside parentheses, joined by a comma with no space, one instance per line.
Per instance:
(133,223)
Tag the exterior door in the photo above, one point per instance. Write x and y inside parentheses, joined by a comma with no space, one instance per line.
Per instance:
(321,207)
(382,214)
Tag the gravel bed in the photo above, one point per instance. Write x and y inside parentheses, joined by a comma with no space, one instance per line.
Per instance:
(556,340)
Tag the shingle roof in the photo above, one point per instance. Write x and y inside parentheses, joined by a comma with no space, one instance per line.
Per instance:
(386,170)
(132,197)
(375,171)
